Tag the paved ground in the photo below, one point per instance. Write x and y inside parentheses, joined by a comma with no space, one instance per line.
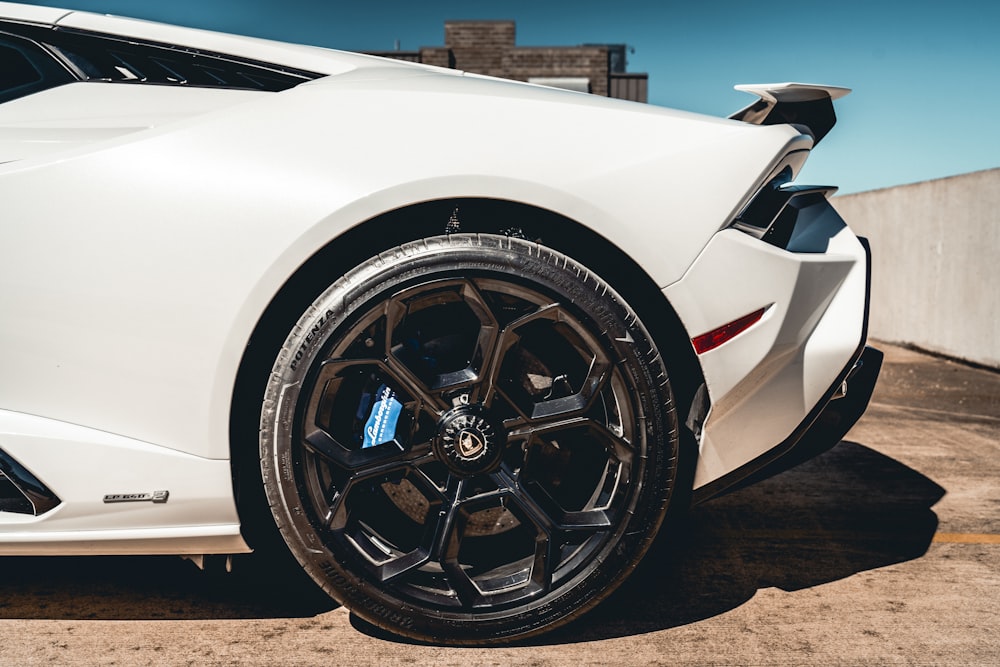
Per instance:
(885,550)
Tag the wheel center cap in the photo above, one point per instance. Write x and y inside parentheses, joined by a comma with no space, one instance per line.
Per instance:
(471,443)
(468,442)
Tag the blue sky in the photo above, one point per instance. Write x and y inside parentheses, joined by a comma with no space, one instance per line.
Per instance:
(926,75)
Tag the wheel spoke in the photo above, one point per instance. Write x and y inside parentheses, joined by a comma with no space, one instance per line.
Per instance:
(438,293)
(430,401)
(380,467)
(400,567)
(580,402)
(545,562)
(323,444)
(336,515)
(618,448)
(320,440)
(590,387)
(445,531)
(547,531)
(336,369)
(562,521)
(539,516)
(446,517)
(447,544)
(546,513)
(338,518)
(507,338)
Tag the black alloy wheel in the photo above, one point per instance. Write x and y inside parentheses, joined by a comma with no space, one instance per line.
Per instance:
(468,439)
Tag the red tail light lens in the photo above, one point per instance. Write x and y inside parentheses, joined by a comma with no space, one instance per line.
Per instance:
(716,337)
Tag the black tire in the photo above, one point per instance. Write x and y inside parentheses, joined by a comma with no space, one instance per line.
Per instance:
(468,439)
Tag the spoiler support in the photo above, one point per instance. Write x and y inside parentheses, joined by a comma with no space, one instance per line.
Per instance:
(801,104)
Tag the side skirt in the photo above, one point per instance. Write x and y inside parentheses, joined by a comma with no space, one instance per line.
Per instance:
(111,494)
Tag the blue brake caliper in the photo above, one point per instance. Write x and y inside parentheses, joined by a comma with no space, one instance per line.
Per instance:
(381,425)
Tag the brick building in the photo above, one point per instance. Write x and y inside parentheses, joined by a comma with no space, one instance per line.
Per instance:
(488,47)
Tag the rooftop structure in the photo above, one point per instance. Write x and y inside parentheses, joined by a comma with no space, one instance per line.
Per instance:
(489,47)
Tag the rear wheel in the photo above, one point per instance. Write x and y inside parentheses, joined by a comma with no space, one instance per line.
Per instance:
(468,439)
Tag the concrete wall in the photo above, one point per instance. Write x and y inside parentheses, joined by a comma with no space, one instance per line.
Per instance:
(936,263)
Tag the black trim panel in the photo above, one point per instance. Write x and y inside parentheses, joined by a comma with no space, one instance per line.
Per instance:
(816,115)
(42,498)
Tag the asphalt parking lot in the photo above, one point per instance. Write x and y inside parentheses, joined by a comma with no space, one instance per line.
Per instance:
(884,550)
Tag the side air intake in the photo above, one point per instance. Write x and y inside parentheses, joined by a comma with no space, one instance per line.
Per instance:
(20,491)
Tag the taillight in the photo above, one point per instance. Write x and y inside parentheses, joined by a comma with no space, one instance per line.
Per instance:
(716,337)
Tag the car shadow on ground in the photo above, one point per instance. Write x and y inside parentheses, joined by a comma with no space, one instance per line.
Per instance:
(847,511)
(138,588)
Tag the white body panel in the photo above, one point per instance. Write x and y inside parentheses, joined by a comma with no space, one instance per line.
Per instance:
(764,381)
(145,230)
(32,13)
(77,114)
(173,333)
(85,465)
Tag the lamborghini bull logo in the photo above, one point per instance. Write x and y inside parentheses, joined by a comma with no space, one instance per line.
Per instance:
(470,444)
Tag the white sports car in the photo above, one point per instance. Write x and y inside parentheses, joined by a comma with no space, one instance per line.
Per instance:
(455,343)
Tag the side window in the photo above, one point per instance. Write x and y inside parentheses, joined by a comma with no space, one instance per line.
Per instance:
(34,58)
(26,68)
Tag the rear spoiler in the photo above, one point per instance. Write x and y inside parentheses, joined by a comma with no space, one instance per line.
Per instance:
(803,104)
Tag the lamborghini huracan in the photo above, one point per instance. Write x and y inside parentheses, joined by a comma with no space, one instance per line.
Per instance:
(452,344)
